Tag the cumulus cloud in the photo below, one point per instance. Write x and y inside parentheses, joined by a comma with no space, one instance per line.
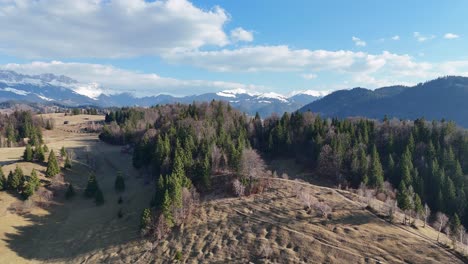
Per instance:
(309,76)
(451,36)
(396,37)
(240,34)
(358,42)
(283,58)
(107,28)
(109,79)
(421,38)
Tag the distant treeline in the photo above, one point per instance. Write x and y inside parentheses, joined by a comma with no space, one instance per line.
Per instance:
(425,159)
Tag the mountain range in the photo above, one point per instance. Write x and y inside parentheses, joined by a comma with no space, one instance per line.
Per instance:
(58,89)
(442,98)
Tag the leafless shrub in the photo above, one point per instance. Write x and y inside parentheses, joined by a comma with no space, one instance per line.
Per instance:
(265,251)
(307,199)
(238,188)
(297,188)
(323,209)
(426,213)
(161,229)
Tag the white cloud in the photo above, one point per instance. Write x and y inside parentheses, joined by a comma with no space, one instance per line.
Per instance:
(106,28)
(109,79)
(358,42)
(451,36)
(283,58)
(421,38)
(396,37)
(309,76)
(240,34)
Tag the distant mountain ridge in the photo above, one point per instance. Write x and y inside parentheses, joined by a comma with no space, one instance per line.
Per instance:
(50,88)
(442,98)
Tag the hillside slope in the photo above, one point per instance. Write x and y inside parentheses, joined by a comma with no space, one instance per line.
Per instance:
(443,98)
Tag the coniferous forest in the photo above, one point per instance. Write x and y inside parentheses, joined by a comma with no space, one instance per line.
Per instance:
(180,146)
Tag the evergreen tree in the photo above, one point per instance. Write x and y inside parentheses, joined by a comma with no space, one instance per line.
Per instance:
(119,182)
(34,180)
(28,189)
(70,193)
(91,187)
(145,218)
(16,179)
(28,153)
(403,199)
(39,153)
(63,153)
(456,225)
(3,180)
(68,163)
(418,207)
(52,165)
(376,172)
(206,173)
(167,209)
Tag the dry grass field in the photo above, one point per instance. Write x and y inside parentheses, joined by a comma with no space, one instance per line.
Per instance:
(272,227)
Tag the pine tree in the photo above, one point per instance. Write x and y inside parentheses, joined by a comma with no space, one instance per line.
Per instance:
(63,153)
(68,163)
(167,209)
(403,199)
(34,180)
(16,179)
(206,173)
(99,197)
(455,225)
(376,172)
(52,165)
(119,182)
(28,190)
(91,187)
(39,153)
(418,207)
(28,153)
(145,218)
(3,180)
(70,192)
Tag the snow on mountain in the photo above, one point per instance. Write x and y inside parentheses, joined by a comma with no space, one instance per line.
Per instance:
(275,96)
(13,90)
(313,93)
(234,92)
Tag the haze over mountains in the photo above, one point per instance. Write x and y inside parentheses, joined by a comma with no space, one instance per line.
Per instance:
(442,98)
(50,88)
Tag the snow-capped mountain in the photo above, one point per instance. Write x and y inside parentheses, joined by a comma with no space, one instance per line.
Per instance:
(50,88)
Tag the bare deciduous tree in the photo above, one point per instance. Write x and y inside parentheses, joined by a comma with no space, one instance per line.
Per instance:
(238,188)
(440,223)
(426,213)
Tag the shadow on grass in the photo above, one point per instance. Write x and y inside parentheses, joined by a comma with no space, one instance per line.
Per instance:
(77,227)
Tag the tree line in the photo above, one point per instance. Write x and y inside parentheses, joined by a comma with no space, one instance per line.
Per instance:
(18,125)
(183,145)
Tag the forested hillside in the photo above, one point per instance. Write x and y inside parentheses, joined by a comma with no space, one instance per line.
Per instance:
(442,98)
(181,145)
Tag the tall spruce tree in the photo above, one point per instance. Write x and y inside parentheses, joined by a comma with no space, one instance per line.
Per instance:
(28,153)
(376,172)
(52,165)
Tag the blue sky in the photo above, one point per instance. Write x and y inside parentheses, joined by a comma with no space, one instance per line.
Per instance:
(185,47)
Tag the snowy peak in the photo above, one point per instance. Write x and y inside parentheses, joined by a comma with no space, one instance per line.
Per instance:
(313,93)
